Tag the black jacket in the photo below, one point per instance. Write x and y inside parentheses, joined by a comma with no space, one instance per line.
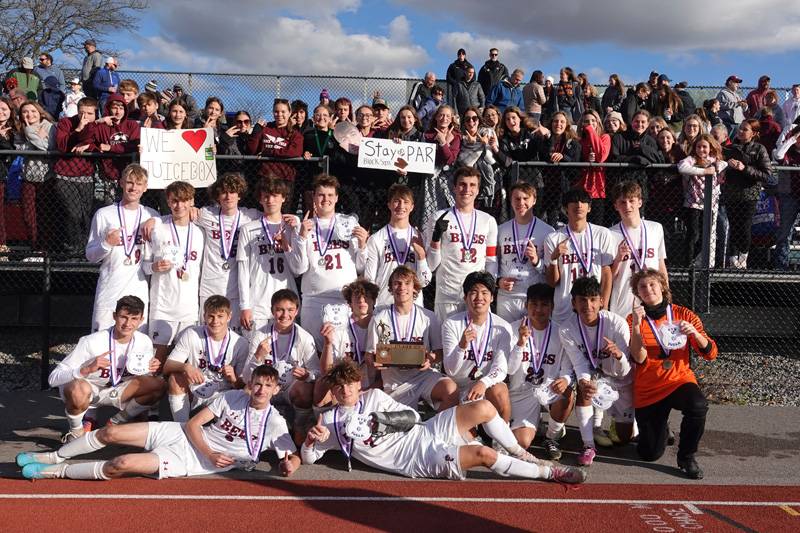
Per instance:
(490,75)
(742,185)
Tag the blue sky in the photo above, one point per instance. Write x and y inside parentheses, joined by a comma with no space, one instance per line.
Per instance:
(409,37)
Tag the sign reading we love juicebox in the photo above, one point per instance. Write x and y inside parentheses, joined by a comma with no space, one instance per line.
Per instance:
(178,155)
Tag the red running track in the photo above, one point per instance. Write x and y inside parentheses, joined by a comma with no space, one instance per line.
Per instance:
(405,506)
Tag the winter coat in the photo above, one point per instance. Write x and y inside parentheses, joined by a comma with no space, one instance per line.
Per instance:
(504,95)
(491,73)
(122,137)
(272,141)
(469,94)
(743,185)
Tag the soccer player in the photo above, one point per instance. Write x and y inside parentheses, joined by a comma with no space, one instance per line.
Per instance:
(95,372)
(328,252)
(579,249)
(405,321)
(462,240)
(396,244)
(221,224)
(207,360)
(520,248)
(116,242)
(291,350)
(476,343)
(639,244)
(596,342)
(173,258)
(231,432)
(437,448)
(536,360)
(261,258)
(348,341)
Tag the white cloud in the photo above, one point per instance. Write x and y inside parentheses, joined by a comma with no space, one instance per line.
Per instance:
(714,25)
(274,38)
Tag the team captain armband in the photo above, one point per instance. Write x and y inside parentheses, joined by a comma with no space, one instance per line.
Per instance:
(491,251)
(708,348)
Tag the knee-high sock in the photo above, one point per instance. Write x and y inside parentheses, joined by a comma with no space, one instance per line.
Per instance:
(584,415)
(87,443)
(508,466)
(179,405)
(75,421)
(90,470)
(597,417)
(498,429)
(553,428)
(131,411)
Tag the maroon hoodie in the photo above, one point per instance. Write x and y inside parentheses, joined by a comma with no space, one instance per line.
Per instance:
(66,140)
(271,141)
(123,138)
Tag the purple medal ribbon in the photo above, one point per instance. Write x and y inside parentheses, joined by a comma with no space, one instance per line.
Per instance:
(116,373)
(654,329)
(274,343)
(520,250)
(639,259)
(466,244)
(255,450)
(356,345)
(585,263)
(411,323)
(538,352)
(267,234)
(124,225)
(176,240)
(322,251)
(226,247)
(483,343)
(217,360)
(400,258)
(346,443)
(594,355)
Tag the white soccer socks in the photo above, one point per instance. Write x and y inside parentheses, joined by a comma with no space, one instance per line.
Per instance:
(509,466)
(179,405)
(584,416)
(498,429)
(88,443)
(131,411)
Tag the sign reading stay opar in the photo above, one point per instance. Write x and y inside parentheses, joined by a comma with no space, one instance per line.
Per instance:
(178,155)
(386,154)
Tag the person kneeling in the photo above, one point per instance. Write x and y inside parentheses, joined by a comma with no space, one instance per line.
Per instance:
(244,425)
(383,433)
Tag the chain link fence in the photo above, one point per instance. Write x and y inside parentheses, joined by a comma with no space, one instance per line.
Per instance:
(46,283)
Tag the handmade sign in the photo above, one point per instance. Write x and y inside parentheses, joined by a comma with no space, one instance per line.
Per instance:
(386,154)
(178,155)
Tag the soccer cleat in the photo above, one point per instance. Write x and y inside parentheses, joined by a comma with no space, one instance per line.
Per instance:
(528,457)
(43,471)
(48,458)
(586,457)
(568,474)
(552,449)
(71,435)
(601,438)
(691,468)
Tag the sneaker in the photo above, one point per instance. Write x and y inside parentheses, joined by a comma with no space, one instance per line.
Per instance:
(48,458)
(601,438)
(691,468)
(89,423)
(552,449)
(586,457)
(43,471)
(568,474)
(71,435)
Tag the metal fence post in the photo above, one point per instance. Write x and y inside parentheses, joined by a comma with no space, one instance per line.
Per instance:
(326,163)
(277,87)
(45,326)
(702,288)
(190,84)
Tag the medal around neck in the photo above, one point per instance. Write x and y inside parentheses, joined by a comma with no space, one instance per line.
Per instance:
(336,314)
(545,394)
(138,363)
(605,396)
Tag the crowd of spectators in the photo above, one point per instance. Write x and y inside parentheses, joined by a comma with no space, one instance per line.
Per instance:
(487,118)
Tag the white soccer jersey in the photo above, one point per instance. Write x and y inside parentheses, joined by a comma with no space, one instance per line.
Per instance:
(454,259)
(291,350)
(263,267)
(324,274)
(172,297)
(487,360)
(382,259)
(508,262)
(118,279)
(522,362)
(228,432)
(95,345)
(394,452)
(204,353)
(349,342)
(215,278)
(652,242)
(616,329)
(421,325)
(570,266)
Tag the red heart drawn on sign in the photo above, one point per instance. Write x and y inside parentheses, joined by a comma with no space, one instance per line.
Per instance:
(195,139)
